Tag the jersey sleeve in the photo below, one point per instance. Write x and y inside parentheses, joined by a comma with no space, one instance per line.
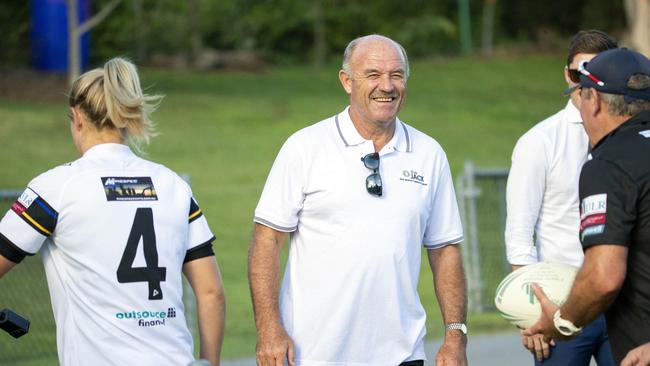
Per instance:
(607,204)
(524,195)
(444,225)
(283,195)
(199,236)
(30,220)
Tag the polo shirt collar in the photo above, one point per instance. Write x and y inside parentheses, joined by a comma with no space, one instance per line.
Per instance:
(571,113)
(349,135)
(108,149)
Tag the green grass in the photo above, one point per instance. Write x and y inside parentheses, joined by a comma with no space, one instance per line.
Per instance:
(226,128)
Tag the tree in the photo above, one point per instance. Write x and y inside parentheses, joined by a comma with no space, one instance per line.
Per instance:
(75,31)
(637,13)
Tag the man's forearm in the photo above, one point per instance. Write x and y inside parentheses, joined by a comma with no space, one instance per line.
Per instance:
(263,275)
(597,283)
(449,282)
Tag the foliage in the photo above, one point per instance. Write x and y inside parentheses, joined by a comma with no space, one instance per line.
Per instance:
(14,27)
(283,30)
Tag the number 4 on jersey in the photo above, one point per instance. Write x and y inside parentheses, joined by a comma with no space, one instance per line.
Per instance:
(152,274)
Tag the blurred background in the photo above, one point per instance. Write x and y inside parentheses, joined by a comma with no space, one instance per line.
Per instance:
(240,76)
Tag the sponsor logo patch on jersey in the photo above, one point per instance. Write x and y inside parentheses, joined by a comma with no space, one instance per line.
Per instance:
(592,230)
(36,212)
(147,318)
(594,204)
(596,219)
(412,176)
(593,215)
(129,189)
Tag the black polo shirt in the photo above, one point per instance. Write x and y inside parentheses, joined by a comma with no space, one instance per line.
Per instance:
(615,209)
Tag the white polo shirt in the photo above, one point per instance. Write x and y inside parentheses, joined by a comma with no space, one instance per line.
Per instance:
(349,293)
(114,231)
(542,191)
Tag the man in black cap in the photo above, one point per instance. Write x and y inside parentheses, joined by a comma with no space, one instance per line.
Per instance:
(614,209)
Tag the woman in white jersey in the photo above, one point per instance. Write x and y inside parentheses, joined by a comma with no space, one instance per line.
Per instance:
(115,233)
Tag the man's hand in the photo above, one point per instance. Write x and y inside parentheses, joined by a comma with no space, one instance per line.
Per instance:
(639,356)
(452,352)
(544,325)
(273,347)
(536,344)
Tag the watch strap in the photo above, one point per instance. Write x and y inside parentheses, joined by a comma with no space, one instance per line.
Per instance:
(565,327)
(457,326)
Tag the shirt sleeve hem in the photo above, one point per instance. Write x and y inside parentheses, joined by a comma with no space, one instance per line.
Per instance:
(11,251)
(285,229)
(200,251)
(443,243)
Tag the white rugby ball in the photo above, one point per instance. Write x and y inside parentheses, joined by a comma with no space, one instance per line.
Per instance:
(515,299)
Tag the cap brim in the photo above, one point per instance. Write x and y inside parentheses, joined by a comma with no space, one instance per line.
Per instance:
(570,90)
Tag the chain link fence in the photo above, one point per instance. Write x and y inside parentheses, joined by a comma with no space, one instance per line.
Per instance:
(24,290)
(482,201)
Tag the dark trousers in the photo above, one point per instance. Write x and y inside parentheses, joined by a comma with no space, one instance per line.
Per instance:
(412,363)
(593,341)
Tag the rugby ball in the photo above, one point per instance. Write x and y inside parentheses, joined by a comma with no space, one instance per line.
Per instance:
(515,299)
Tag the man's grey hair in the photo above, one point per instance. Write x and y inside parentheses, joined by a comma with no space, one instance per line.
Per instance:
(347,54)
(616,103)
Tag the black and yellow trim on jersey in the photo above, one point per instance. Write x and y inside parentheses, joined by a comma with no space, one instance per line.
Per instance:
(39,215)
(195,211)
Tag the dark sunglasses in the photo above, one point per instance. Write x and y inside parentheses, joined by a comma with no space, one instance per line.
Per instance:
(574,75)
(373,182)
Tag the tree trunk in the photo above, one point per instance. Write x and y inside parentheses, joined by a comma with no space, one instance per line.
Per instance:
(487,33)
(638,17)
(196,43)
(464,26)
(140,44)
(320,42)
(75,31)
(74,56)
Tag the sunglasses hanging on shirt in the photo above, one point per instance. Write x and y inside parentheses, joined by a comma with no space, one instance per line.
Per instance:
(373,182)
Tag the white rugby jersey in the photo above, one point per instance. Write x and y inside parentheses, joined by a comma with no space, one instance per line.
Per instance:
(349,292)
(114,231)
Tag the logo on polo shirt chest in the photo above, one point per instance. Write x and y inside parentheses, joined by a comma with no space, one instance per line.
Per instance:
(412,176)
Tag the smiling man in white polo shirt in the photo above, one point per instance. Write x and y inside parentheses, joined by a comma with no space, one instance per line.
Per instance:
(359,193)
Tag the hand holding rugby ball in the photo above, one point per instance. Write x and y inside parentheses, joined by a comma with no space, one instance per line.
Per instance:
(515,299)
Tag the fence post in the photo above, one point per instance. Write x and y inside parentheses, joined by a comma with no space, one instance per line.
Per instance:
(471,255)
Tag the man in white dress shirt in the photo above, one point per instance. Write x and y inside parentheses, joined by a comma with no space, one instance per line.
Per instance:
(542,202)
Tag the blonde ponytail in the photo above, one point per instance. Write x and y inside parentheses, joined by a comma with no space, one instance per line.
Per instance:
(112,98)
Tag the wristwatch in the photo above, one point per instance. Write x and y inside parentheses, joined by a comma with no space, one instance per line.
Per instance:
(565,327)
(457,326)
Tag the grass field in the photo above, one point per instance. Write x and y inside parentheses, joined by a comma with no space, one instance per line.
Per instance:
(225,129)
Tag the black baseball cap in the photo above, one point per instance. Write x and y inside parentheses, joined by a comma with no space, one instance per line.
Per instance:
(610,71)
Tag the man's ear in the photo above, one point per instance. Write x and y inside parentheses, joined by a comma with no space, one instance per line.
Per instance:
(346,81)
(597,100)
(566,76)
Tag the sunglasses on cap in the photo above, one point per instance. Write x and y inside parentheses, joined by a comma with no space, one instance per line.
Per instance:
(574,74)
(373,181)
